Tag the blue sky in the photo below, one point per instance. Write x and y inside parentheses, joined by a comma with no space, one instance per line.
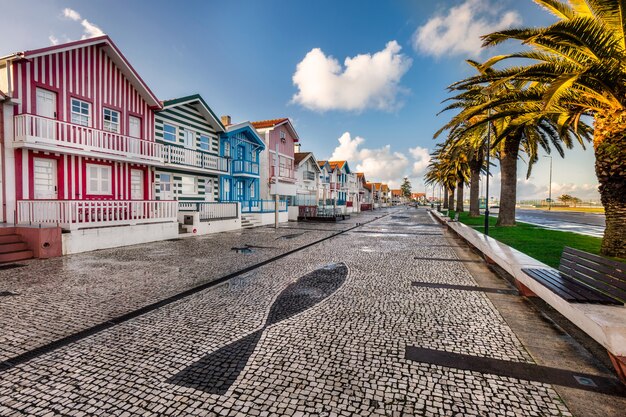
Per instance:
(260,59)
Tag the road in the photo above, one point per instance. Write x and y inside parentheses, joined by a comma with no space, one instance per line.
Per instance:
(591,224)
(380,315)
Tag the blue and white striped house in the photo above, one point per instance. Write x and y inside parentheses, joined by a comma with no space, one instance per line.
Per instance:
(242,146)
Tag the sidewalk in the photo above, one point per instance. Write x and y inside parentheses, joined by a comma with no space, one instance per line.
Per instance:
(373,345)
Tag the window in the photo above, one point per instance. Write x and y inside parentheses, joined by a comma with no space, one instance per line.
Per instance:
(189,138)
(99,179)
(188,185)
(80,112)
(111,120)
(169,132)
(208,187)
(240,152)
(204,142)
(226,189)
(254,156)
(227,149)
(239,190)
(252,191)
(165,185)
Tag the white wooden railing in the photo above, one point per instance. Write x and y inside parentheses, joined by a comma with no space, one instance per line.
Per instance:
(80,214)
(211,211)
(191,157)
(36,129)
(262,206)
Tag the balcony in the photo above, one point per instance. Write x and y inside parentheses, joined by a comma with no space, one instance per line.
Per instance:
(192,158)
(309,176)
(54,135)
(284,174)
(243,167)
(334,186)
(85,214)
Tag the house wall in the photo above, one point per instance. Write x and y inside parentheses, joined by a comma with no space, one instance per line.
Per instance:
(208,186)
(87,74)
(186,117)
(72,176)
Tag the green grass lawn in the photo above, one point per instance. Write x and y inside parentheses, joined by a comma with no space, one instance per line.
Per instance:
(542,244)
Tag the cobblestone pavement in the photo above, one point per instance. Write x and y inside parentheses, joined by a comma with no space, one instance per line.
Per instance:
(337,349)
(58,297)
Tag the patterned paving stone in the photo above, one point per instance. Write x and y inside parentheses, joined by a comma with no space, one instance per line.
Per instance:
(342,355)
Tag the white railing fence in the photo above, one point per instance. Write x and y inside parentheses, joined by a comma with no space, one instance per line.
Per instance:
(191,157)
(211,210)
(56,132)
(262,206)
(75,214)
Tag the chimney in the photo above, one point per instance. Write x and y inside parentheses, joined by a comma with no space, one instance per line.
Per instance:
(296,147)
(226,120)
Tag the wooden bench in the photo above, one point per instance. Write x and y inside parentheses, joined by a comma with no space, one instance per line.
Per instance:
(584,278)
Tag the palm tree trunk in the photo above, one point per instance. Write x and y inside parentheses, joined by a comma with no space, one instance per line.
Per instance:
(459,196)
(451,198)
(445,198)
(508,182)
(474,210)
(610,151)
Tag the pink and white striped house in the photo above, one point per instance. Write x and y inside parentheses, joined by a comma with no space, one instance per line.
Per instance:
(79,148)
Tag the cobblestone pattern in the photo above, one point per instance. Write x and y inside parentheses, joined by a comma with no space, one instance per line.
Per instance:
(61,296)
(342,357)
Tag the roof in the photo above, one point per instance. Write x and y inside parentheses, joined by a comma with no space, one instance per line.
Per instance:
(300,157)
(201,106)
(248,129)
(272,123)
(368,185)
(339,165)
(384,187)
(263,124)
(322,164)
(396,193)
(111,50)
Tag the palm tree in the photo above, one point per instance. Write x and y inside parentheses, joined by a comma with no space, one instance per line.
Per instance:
(518,126)
(579,66)
(448,167)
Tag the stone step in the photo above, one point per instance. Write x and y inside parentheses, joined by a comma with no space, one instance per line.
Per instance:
(13,247)
(16,256)
(12,238)
(7,231)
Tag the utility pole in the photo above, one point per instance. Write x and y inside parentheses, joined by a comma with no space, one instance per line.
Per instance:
(550,185)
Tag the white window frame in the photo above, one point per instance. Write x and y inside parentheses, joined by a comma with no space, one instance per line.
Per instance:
(80,118)
(169,133)
(163,183)
(208,142)
(227,149)
(252,191)
(101,188)
(187,133)
(183,185)
(110,125)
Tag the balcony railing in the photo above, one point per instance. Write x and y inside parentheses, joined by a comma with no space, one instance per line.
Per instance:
(81,214)
(212,211)
(309,176)
(241,166)
(262,206)
(31,129)
(194,158)
(284,173)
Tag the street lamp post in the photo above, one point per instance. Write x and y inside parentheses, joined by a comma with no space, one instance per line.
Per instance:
(487,176)
(550,185)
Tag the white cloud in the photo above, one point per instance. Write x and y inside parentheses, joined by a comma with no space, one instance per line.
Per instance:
(380,164)
(422,159)
(364,81)
(53,40)
(458,32)
(89,29)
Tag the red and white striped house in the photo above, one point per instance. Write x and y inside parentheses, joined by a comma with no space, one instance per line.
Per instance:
(79,148)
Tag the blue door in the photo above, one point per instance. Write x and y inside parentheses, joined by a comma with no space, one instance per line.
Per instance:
(240,190)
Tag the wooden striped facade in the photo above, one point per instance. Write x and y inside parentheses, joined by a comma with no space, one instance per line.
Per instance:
(96,74)
(189,116)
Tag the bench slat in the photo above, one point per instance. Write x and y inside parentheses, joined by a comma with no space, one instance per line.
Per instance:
(596,258)
(610,291)
(607,284)
(568,289)
(551,279)
(598,268)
